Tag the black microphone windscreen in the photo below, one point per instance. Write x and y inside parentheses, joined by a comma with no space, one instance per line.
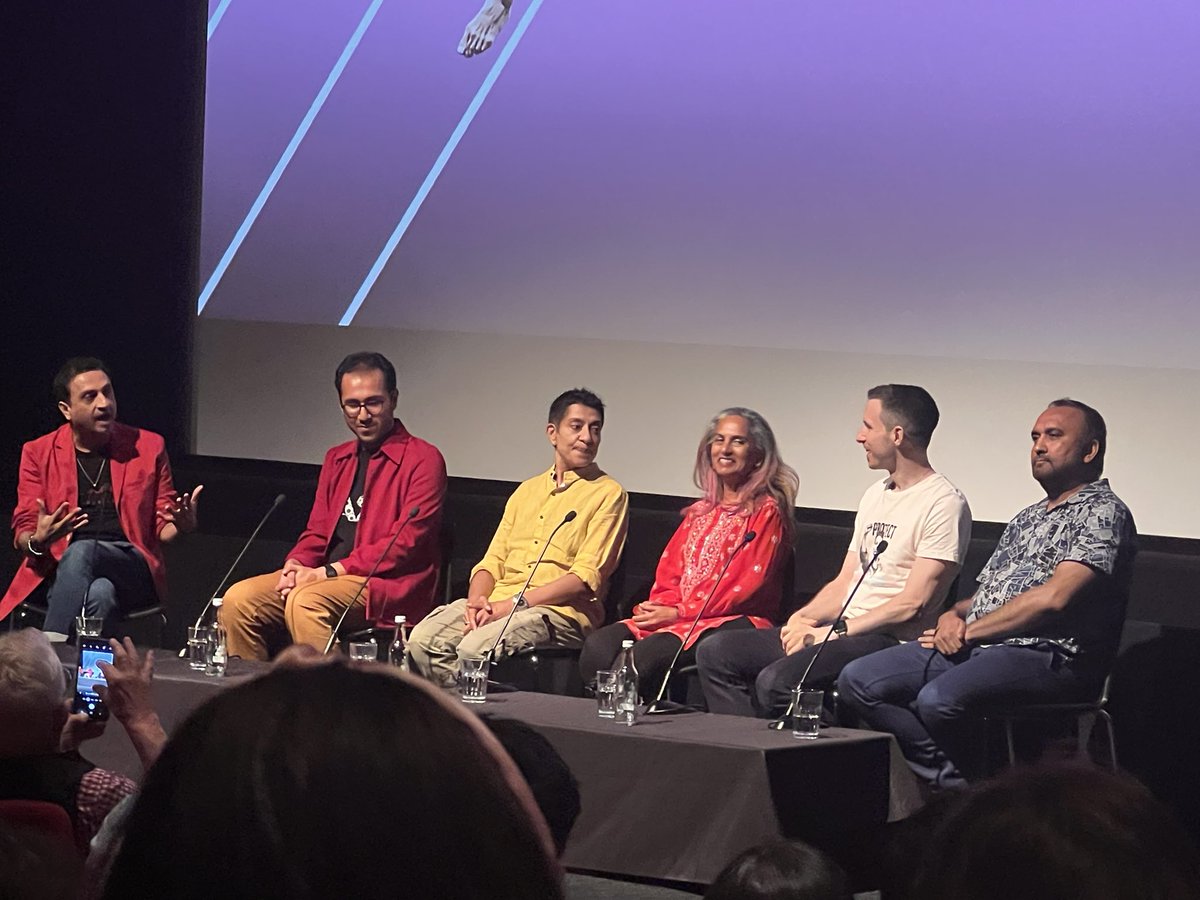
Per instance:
(279,498)
(569,517)
(880,547)
(750,535)
(412,513)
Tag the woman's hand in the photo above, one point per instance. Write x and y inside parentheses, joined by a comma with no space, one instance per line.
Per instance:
(649,616)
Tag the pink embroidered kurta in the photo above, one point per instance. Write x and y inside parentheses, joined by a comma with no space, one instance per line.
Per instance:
(689,567)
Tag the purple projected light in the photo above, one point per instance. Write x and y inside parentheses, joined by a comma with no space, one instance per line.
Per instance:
(1008,180)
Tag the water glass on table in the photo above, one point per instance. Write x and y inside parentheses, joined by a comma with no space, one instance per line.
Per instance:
(606,693)
(198,637)
(472,680)
(364,651)
(806,713)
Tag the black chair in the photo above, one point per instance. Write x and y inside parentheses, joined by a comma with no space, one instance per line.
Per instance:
(1084,714)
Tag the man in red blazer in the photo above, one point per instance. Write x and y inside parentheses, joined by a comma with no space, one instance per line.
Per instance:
(95,504)
(383,483)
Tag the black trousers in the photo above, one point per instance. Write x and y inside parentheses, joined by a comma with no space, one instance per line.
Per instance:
(651,654)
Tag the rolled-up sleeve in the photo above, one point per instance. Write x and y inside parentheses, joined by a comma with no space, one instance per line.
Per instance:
(601,548)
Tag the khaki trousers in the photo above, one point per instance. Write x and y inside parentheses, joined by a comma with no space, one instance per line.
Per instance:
(438,643)
(258,620)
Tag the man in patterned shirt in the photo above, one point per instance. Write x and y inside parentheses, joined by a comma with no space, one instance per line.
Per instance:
(1042,627)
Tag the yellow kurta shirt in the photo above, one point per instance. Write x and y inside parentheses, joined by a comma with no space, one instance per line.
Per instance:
(588,547)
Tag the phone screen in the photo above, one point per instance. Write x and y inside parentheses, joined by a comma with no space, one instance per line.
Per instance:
(87,675)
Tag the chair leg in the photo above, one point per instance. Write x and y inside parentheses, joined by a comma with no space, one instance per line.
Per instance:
(1084,725)
(1110,737)
(1008,737)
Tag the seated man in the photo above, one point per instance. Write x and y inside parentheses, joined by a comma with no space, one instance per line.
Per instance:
(1042,627)
(39,737)
(383,483)
(95,504)
(565,600)
(927,525)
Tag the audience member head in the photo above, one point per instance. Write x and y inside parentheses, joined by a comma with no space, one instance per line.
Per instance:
(32,694)
(780,870)
(1057,831)
(910,408)
(545,771)
(762,471)
(319,781)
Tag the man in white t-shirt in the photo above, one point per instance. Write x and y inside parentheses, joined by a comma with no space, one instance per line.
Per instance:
(926,523)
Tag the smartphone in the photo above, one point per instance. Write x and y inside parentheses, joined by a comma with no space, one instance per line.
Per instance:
(92,651)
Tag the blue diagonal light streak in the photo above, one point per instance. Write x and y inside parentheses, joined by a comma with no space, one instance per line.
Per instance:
(439,164)
(288,153)
(216,17)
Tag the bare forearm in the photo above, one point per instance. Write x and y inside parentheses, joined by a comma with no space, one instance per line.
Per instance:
(1017,616)
(148,737)
(825,606)
(482,584)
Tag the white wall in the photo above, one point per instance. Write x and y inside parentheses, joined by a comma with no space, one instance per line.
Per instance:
(266,391)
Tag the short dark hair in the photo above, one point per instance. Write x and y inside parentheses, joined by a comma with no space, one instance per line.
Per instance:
(1094,423)
(566,399)
(366,360)
(549,777)
(778,870)
(76,365)
(909,406)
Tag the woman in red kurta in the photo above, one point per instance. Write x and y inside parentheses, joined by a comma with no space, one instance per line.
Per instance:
(749,492)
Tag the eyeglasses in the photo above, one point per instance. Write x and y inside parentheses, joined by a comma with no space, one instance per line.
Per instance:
(373,405)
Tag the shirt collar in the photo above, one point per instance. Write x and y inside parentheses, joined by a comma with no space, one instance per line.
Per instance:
(392,446)
(1088,490)
(587,473)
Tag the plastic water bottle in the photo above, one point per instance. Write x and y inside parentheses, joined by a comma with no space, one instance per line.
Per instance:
(398,651)
(627,685)
(217,654)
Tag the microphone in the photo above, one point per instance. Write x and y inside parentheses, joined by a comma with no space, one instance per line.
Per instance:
(519,600)
(279,498)
(412,514)
(781,723)
(661,706)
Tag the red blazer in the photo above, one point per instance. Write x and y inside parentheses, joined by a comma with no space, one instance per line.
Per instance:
(141,482)
(407,472)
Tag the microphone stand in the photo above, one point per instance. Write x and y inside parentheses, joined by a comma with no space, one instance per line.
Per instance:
(659,706)
(342,618)
(519,600)
(781,723)
(279,498)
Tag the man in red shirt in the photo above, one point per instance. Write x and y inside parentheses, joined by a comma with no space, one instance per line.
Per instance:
(95,504)
(383,482)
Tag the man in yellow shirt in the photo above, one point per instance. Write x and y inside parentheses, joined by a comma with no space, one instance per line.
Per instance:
(565,599)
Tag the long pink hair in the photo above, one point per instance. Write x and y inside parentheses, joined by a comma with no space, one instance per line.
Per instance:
(771,477)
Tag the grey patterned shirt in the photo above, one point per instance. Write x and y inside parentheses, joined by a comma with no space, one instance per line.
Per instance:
(1093,527)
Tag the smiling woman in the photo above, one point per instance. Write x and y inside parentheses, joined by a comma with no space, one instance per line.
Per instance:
(743,523)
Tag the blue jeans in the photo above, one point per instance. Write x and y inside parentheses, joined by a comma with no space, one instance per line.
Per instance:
(931,702)
(101,577)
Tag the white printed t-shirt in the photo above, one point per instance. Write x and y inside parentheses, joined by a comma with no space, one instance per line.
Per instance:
(930,520)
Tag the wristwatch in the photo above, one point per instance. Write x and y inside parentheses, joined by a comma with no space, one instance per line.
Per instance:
(330,571)
(839,627)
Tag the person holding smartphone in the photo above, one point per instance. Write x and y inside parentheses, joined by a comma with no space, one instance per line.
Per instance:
(40,736)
